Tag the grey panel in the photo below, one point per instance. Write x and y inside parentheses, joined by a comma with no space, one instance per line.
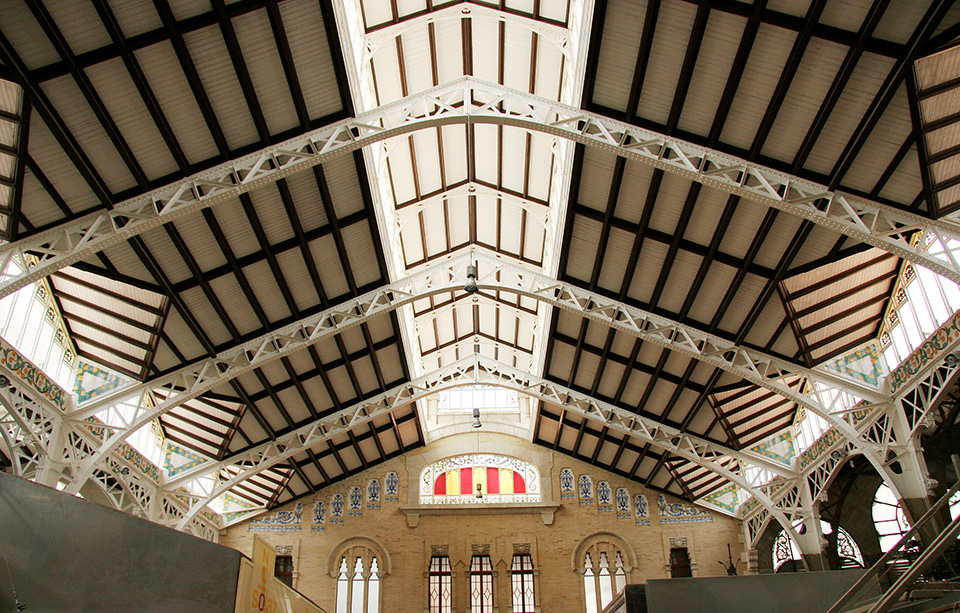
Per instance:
(68,554)
(795,592)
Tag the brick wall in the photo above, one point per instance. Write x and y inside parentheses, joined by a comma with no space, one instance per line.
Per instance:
(554,540)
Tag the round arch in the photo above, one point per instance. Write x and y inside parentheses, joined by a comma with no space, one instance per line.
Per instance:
(363,545)
(600,538)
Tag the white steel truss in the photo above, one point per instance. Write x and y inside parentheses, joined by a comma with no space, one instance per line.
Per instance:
(470,371)
(170,391)
(42,447)
(470,101)
(558,35)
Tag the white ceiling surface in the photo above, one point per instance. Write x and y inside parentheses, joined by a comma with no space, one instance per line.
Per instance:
(451,188)
(437,192)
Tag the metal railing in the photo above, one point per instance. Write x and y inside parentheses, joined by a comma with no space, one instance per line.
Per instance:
(922,562)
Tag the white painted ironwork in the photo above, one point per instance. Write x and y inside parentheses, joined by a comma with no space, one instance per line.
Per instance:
(172,390)
(558,35)
(469,100)
(42,446)
(472,371)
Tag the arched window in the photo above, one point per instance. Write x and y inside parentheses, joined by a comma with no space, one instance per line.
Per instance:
(481,584)
(786,554)
(605,561)
(521,576)
(358,564)
(479,478)
(440,578)
(888,517)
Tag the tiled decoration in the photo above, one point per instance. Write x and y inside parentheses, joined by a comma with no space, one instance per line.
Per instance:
(281,521)
(929,351)
(862,364)
(319,516)
(91,381)
(779,448)
(235,508)
(622,500)
(567,482)
(391,487)
(679,513)
(177,459)
(585,489)
(604,497)
(641,509)
(337,504)
(724,499)
(355,501)
(373,494)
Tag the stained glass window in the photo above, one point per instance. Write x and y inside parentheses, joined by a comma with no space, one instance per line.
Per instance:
(481,584)
(479,478)
(888,518)
(521,575)
(785,550)
(440,596)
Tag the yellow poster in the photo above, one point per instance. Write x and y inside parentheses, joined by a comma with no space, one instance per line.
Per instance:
(261,595)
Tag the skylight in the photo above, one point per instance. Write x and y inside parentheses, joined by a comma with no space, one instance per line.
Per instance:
(465,399)
(921,302)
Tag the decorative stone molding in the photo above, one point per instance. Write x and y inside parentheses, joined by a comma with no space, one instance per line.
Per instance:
(284,550)
(625,548)
(440,550)
(521,548)
(546,511)
(678,541)
(480,550)
(360,544)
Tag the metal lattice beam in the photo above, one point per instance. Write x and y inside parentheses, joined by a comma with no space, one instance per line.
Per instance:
(495,275)
(470,101)
(469,371)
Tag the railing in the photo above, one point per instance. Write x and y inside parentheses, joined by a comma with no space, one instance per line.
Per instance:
(923,561)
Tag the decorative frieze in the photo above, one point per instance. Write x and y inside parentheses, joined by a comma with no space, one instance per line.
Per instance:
(281,521)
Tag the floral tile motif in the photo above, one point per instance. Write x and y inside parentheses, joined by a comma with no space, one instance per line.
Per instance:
(679,513)
(391,487)
(585,489)
(622,500)
(337,504)
(281,521)
(604,496)
(319,516)
(566,483)
(641,507)
(373,494)
(355,502)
